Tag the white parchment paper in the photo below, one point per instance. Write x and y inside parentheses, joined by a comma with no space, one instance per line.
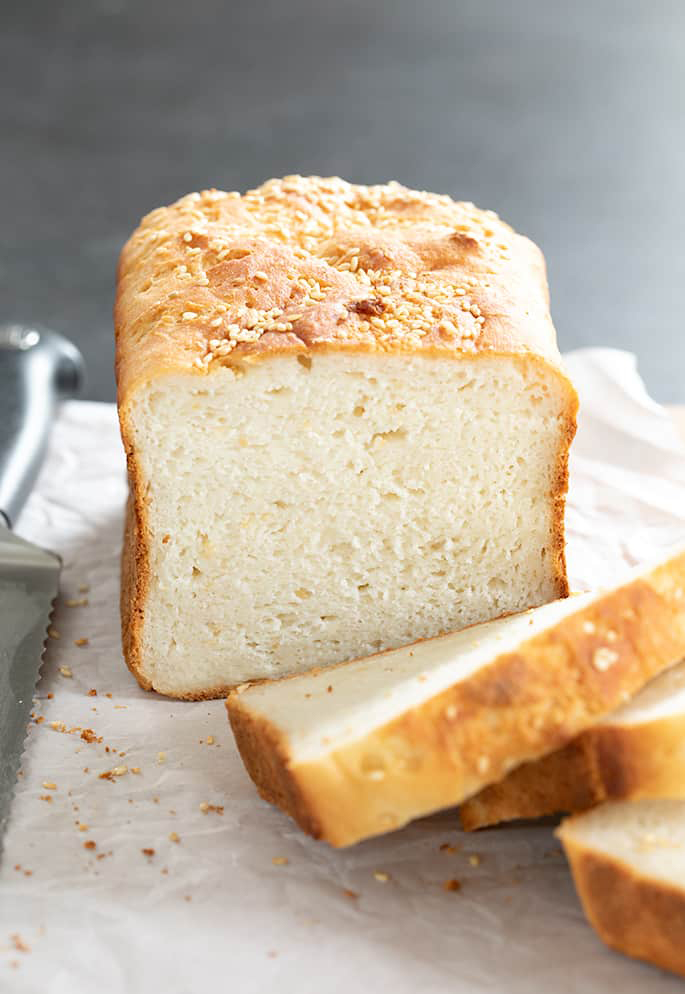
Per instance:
(85,909)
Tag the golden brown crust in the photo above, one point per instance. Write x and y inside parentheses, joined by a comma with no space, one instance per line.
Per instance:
(635,915)
(613,762)
(306,265)
(522,705)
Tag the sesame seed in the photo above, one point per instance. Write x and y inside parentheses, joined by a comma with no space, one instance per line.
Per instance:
(188,315)
(381,877)
(280,861)
(603,658)
(49,785)
(66,671)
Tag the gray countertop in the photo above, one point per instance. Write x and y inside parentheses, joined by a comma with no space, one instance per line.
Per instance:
(566,118)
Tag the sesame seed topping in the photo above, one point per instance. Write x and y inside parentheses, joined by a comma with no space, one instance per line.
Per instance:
(333,241)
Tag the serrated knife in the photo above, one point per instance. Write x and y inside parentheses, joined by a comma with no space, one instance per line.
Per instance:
(38,368)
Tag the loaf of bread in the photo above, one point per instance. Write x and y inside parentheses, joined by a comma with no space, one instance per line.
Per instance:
(628,865)
(635,753)
(346,426)
(361,748)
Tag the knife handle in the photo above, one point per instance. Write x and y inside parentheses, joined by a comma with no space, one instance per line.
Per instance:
(38,368)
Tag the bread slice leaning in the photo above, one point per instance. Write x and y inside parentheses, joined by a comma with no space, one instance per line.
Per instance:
(361,748)
(637,752)
(628,865)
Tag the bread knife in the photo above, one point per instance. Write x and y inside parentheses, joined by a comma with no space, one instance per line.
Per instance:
(38,368)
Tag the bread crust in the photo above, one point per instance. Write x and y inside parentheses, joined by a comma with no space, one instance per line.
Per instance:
(641,917)
(610,763)
(521,706)
(195,275)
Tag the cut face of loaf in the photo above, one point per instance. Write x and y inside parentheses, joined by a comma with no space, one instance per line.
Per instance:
(628,864)
(363,747)
(636,752)
(303,511)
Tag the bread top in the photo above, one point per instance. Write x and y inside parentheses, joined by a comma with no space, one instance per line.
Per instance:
(306,263)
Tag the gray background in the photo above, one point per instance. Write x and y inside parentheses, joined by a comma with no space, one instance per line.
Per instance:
(566,118)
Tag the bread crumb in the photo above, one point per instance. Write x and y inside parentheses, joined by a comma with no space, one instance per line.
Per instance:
(53,633)
(81,642)
(119,771)
(49,785)
(475,859)
(50,696)
(46,797)
(66,671)
(174,837)
(83,827)
(280,861)
(89,844)
(446,847)
(452,885)
(19,944)
(210,740)
(161,757)
(352,894)
(84,588)
(148,852)
(92,692)
(381,877)
(135,769)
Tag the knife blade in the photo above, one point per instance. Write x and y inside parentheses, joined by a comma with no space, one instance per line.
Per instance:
(38,368)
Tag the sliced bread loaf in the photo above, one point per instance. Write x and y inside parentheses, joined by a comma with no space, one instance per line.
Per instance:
(347,427)
(628,864)
(636,752)
(363,747)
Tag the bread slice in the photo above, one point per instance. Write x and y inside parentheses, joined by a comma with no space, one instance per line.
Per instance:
(363,747)
(636,752)
(346,424)
(628,864)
